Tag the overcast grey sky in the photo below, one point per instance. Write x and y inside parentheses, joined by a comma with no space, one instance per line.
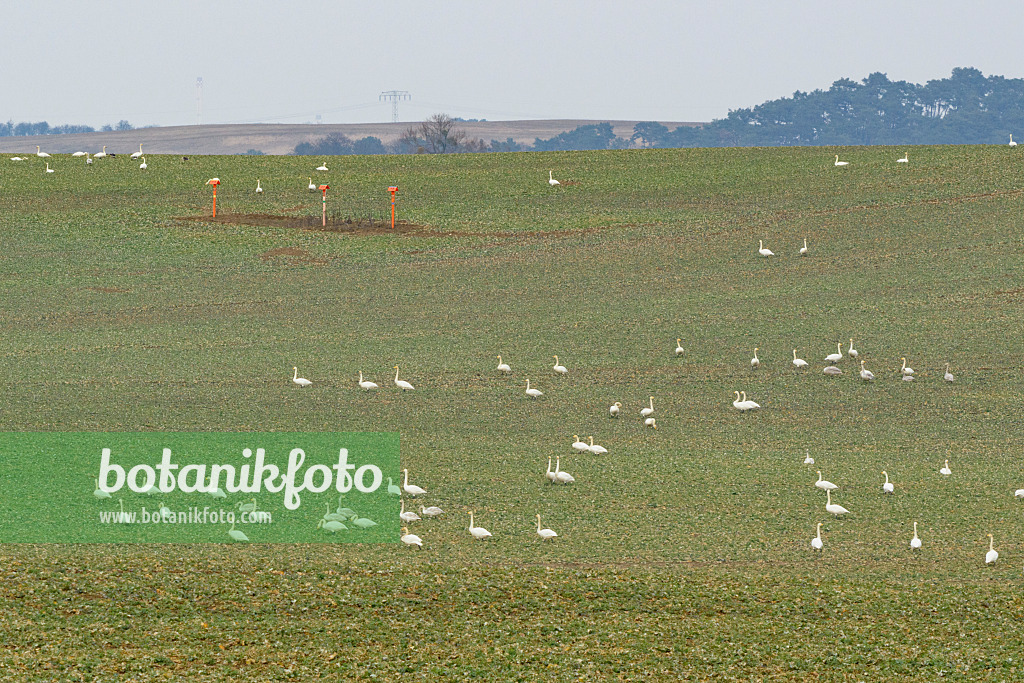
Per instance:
(68,61)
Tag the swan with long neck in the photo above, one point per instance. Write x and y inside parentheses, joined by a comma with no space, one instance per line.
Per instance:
(596,449)
(560,476)
(407,516)
(948,376)
(559,368)
(832,507)
(887,487)
(905,159)
(679,347)
(755,362)
(992,555)
(550,474)
(545,534)
(533,393)
(578,445)
(477,532)
(411,489)
(259,188)
(945,469)
(649,410)
(866,374)
(401,383)
(551,179)
(614,409)
(816,541)
(841,163)
(136,155)
(824,484)
(915,542)
(803,249)
(751,405)
(762,251)
(366,385)
(301,381)
(503,367)
(798,362)
(837,356)
(852,352)
(411,539)
(905,370)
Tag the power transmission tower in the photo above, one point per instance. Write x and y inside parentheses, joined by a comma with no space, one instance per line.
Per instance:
(199,101)
(394,96)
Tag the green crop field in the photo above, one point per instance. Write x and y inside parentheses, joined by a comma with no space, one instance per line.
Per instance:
(683,553)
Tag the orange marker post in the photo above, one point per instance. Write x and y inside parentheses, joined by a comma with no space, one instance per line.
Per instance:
(215,182)
(393,189)
(324,188)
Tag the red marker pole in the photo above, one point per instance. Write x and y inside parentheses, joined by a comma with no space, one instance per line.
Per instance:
(393,189)
(215,182)
(324,188)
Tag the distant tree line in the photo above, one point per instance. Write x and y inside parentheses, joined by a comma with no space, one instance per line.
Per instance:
(43,128)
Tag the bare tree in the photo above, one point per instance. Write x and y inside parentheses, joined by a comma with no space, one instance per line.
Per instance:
(436,135)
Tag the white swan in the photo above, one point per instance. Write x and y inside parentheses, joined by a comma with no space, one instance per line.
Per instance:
(948,376)
(904,160)
(649,410)
(679,347)
(866,374)
(48,169)
(992,555)
(832,370)
(560,369)
(411,539)
(393,489)
(852,352)
(908,378)
(887,487)
(798,362)
(915,542)
(614,409)
(762,251)
(100,493)
(1012,143)
(737,404)
(78,154)
(259,188)
(322,167)
(246,507)
(945,469)
(301,381)
(905,370)
(330,526)
(581,446)
(751,405)
(755,362)
(40,153)
(477,531)
(550,474)
(365,384)
(311,186)
(533,393)
(837,356)
(136,155)
(363,522)
(560,476)
(333,516)
(411,489)
(816,541)
(235,534)
(824,484)
(545,534)
(432,511)
(551,179)
(650,422)
(503,367)
(100,155)
(143,166)
(401,383)
(841,163)
(803,249)
(595,449)
(18,158)
(88,159)
(832,507)
(808,460)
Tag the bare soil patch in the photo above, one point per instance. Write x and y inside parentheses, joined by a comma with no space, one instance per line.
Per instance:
(348,226)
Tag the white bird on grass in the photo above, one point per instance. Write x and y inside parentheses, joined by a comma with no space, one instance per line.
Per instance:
(560,476)
(551,179)
(48,169)
(1019,493)
(915,542)
(762,251)
(816,541)
(235,534)
(411,539)
(88,160)
(992,555)
(330,526)
(738,404)
(948,376)
(649,410)
(866,374)
(477,531)
(803,249)
(100,155)
(259,188)
(751,405)
(411,489)
(837,356)
(364,384)
(559,368)
(17,158)
(650,422)
(533,393)
(393,489)
(301,381)
(545,534)
(798,362)
(581,446)
(550,474)
(503,367)
(905,370)
(832,507)
(322,167)
(841,163)
(79,154)
(595,449)
(755,362)
(852,352)
(1012,143)
(808,460)
(143,166)
(945,469)
(432,511)
(312,186)
(100,493)
(824,484)
(401,383)
(887,487)
(832,370)
(136,155)
(40,153)
(904,160)
(614,409)
(679,347)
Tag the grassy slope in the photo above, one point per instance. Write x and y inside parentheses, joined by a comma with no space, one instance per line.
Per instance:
(684,549)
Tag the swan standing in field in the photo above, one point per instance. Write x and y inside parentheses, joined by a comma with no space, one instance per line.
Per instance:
(595,449)
(751,405)
(301,381)
(533,393)
(649,410)
(411,539)
(808,460)
(78,154)
(235,534)
(945,469)
(852,352)
(1019,493)
(948,376)
(332,526)
(545,534)
(816,541)
(614,409)
(824,484)
(503,367)
(992,555)
(100,493)
(333,516)
(366,385)
(833,507)
(738,404)
(803,249)
(841,163)
(393,489)
(887,487)
(762,251)
(136,155)
(679,347)
(100,155)
(322,167)
(143,165)
(798,362)
(866,374)
(477,531)
(88,159)
(432,511)
(559,368)
(837,356)
(550,474)
(401,383)
(650,422)
(560,476)
(578,445)
(832,370)
(905,370)
(312,186)
(755,362)
(904,160)
(1012,143)
(40,153)
(411,489)
(48,169)
(915,542)
(551,179)
(259,188)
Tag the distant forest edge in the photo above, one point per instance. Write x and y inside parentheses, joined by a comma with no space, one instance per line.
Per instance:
(966,108)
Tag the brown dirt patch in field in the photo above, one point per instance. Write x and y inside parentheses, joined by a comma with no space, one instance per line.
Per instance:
(346,226)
